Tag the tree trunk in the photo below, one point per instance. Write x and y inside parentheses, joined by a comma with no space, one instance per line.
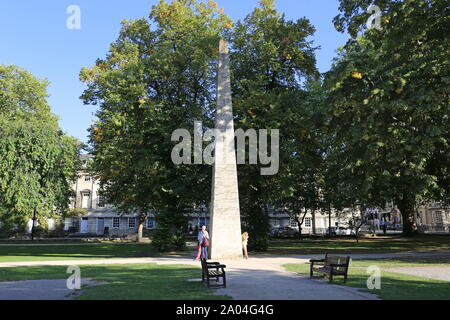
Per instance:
(329,222)
(32,226)
(142,218)
(313,214)
(299,223)
(407,207)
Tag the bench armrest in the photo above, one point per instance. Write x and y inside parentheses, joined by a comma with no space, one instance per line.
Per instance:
(213,263)
(316,260)
(217,266)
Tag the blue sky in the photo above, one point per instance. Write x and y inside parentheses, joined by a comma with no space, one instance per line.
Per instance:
(34,36)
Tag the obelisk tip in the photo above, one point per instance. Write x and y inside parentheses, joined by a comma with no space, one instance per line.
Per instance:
(223,46)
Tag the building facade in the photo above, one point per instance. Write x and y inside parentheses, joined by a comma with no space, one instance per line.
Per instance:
(433,217)
(91,215)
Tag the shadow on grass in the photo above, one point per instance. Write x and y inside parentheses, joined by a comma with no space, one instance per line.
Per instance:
(394,286)
(48,253)
(366,245)
(126,282)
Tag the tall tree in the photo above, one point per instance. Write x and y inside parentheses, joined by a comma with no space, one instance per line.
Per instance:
(38,162)
(271,58)
(159,76)
(300,183)
(389,103)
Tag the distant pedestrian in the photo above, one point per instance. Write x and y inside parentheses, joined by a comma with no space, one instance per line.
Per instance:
(384,227)
(203,244)
(245,238)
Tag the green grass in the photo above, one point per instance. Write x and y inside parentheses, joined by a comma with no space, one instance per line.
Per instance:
(89,251)
(68,241)
(394,286)
(76,252)
(367,245)
(126,282)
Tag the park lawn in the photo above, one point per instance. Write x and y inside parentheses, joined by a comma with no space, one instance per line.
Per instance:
(394,286)
(367,245)
(126,281)
(75,252)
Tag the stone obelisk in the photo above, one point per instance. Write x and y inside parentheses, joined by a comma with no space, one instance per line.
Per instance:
(225,230)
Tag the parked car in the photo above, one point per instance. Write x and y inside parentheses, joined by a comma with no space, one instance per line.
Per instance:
(288,232)
(284,232)
(341,231)
(275,232)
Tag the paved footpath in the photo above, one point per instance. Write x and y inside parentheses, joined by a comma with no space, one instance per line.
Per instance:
(262,277)
(259,278)
(40,290)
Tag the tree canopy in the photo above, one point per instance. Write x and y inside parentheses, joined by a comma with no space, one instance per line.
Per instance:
(389,104)
(38,162)
(158,77)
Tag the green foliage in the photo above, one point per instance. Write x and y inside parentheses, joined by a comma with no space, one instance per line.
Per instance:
(170,232)
(38,162)
(256,223)
(270,60)
(11,225)
(389,106)
(161,240)
(155,81)
(152,82)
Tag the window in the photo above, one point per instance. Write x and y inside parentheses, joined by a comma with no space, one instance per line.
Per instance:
(293,223)
(132,223)
(87,178)
(85,201)
(438,217)
(116,223)
(308,223)
(150,223)
(101,202)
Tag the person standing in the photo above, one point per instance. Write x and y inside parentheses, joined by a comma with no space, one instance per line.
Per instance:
(245,237)
(385,224)
(203,244)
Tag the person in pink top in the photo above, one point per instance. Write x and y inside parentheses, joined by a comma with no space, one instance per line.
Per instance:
(203,244)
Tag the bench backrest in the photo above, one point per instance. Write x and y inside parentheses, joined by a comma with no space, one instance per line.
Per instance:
(333,259)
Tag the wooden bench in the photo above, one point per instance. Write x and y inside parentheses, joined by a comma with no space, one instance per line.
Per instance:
(331,266)
(213,270)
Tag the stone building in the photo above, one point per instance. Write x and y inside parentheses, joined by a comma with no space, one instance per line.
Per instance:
(433,217)
(91,215)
